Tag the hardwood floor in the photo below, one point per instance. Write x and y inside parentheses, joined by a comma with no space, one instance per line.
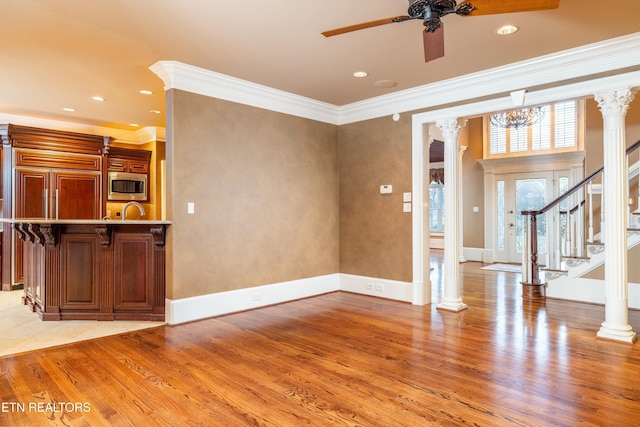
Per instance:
(343,359)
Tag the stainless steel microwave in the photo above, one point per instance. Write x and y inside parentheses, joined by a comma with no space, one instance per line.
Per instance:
(127,186)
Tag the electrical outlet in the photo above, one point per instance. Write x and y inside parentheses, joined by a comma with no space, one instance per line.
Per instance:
(256,297)
(370,286)
(379,287)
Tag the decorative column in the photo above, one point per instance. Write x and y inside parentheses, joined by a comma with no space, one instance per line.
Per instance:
(614,106)
(451,300)
(461,150)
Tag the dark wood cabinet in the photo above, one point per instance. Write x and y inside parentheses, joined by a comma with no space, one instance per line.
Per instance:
(57,194)
(47,174)
(79,272)
(128,165)
(101,271)
(77,195)
(133,276)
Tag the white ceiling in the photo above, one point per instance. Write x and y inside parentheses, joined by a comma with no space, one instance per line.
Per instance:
(59,53)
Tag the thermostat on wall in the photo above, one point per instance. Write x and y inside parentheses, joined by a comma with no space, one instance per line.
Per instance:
(386,189)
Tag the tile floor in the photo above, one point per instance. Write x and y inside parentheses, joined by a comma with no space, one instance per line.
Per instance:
(22,330)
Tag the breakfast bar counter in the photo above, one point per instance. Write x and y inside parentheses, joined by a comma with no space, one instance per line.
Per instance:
(94,269)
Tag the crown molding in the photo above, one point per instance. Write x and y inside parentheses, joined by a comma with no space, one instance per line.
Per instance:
(614,56)
(177,75)
(620,53)
(139,136)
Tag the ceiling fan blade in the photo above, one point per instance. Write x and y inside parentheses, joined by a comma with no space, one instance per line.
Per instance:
(433,44)
(490,7)
(364,25)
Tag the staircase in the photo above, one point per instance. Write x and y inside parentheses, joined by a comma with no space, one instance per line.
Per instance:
(569,282)
(577,249)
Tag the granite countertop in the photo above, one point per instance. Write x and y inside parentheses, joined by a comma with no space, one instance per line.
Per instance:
(84,221)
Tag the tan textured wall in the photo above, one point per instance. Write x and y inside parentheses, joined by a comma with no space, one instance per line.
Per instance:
(265,188)
(375,235)
(473,187)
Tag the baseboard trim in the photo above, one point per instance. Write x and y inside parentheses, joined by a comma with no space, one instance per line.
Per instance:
(383,288)
(475,254)
(211,305)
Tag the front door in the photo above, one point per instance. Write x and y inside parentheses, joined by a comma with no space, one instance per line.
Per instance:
(519,192)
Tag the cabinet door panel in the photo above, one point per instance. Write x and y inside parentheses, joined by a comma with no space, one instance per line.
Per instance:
(78,195)
(30,193)
(133,278)
(79,281)
(29,203)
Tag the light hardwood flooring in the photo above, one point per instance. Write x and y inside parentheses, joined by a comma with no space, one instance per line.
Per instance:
(343,359)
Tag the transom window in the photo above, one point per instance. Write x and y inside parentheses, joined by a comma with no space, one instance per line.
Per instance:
(556,132)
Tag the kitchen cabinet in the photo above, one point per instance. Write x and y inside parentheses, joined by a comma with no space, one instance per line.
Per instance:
(128,165)
(47,174)
(42,193)
(128,160)
(94,269)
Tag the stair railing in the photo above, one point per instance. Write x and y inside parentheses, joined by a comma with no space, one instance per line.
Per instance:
(569,244)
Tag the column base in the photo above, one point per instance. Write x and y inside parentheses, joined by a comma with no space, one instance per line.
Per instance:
(616,333)
(534,292)
(452,306)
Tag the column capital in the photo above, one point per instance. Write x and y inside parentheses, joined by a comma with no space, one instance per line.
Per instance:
(615,103)
(450,127)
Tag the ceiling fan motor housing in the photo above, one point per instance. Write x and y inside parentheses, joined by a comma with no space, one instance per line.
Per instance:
(434,8)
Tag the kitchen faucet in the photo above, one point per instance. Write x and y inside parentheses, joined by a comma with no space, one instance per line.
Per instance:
(124,209)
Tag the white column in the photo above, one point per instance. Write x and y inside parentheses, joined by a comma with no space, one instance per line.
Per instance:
(614,106)
(451,300)
(461,150)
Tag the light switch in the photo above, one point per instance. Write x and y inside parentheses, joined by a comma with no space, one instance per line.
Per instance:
(406,197)
(406,207)
(475,209)
(191,207)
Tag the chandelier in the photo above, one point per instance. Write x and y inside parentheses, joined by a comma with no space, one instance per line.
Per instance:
(517,118)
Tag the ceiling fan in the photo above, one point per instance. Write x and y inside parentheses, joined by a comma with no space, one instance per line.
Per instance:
(430,11)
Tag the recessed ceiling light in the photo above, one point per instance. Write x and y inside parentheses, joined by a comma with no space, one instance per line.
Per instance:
(155,111)
(505,30)
(97,98)
(71,110)
(146,92)
(135,125)
(360,74)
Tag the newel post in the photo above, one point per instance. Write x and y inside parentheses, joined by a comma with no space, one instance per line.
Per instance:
(532,287)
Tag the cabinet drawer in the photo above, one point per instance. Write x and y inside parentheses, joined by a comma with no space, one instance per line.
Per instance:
(138,166)
(117,165)
(127,165)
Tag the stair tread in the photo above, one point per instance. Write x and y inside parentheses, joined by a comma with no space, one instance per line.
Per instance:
(554,270)
(574,257)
